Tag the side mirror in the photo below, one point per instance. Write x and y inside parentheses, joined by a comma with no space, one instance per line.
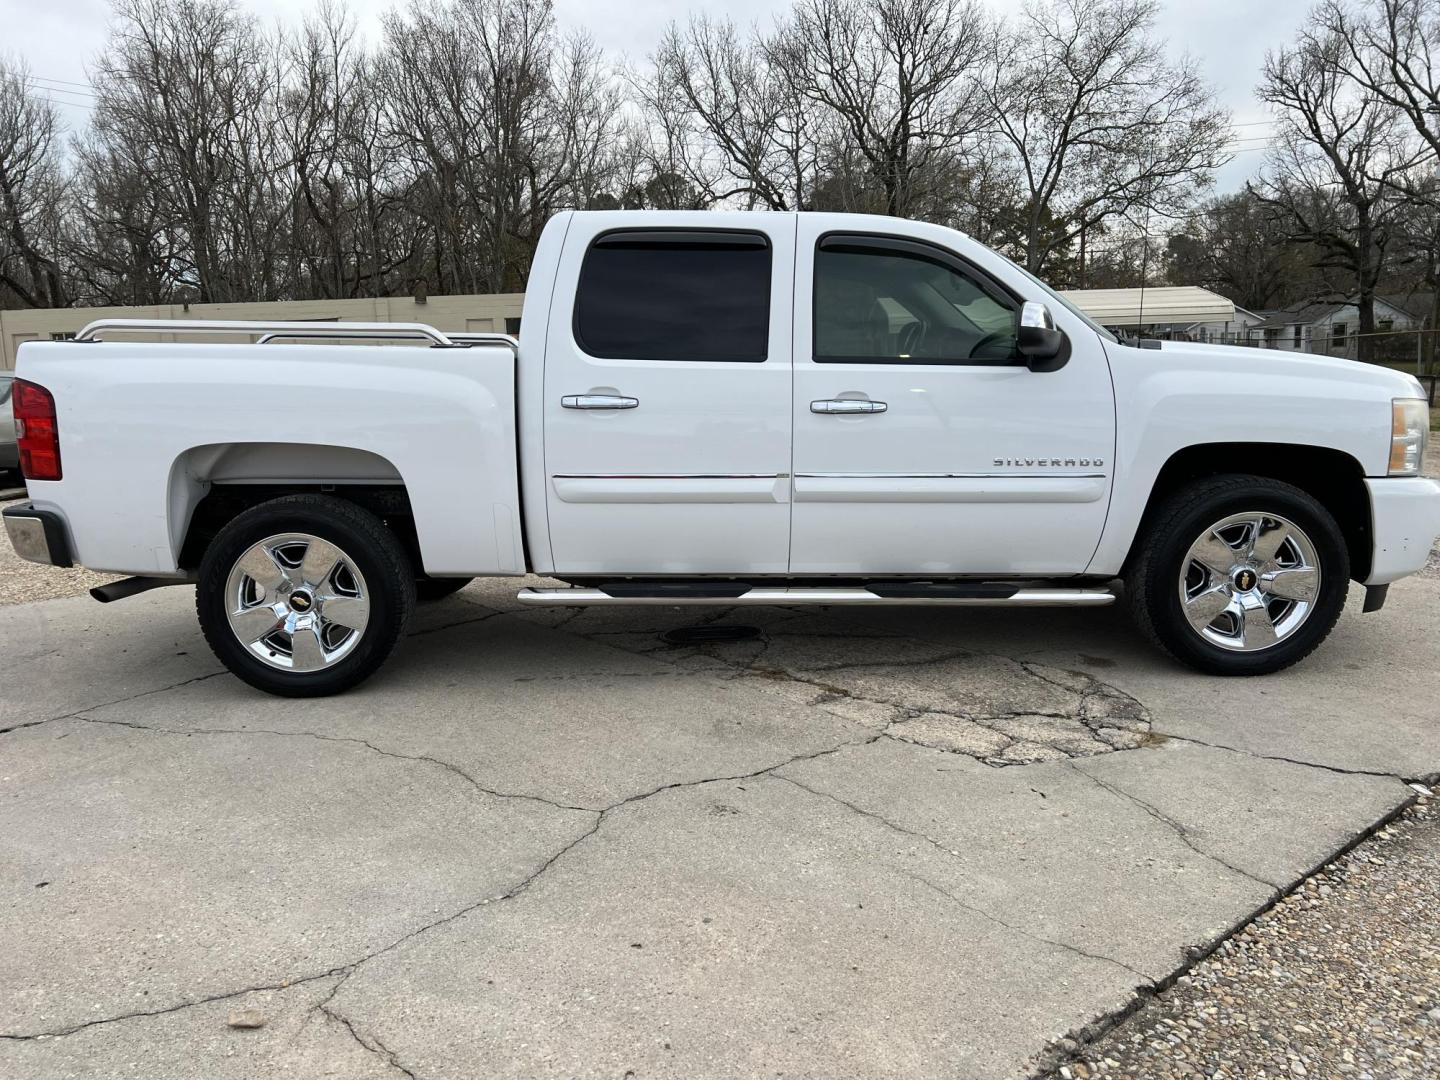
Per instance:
(1040,342)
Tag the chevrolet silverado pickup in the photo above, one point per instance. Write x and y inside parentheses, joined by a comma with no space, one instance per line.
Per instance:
(733,409)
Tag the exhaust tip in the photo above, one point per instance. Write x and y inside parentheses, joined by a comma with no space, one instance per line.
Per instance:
(131,586)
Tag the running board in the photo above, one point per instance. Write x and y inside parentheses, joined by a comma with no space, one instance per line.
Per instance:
(820,595)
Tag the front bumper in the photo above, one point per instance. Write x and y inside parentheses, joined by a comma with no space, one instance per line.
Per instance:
(37,535)
(1405,520)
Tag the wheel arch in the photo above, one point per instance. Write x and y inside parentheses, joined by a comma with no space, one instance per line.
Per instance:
(212,484)
(1334,478)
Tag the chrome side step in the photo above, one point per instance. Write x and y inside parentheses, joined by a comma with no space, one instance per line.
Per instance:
(1049,597)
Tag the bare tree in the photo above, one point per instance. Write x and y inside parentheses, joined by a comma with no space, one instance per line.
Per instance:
(897,79)
(1417,255)
(1391,50)
(226,163)
(123,243)
(1332,175)
(1101,123)
(350,230)
(501,122)
(729,119)
(188,93)
(1239,247)
(31,190)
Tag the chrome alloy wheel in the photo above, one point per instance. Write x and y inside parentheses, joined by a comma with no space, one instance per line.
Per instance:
(297,602)
(1249,581)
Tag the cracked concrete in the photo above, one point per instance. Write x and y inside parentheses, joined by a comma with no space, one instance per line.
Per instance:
(195,1041)
(271,859)
(1047,850)
(768,931)
(904,842)
(991,708)
(526,711)
(1363,702)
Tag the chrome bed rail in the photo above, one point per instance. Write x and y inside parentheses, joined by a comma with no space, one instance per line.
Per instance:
(272,331)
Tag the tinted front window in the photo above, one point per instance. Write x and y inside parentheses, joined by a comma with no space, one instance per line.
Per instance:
(675,296)
(896,306)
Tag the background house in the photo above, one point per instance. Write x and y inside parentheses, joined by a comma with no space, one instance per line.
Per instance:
(1331,328)
(1237,330)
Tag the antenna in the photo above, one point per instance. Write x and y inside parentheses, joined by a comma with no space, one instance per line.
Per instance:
(1144,264)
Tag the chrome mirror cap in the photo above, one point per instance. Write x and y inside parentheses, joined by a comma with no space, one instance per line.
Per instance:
(1042,344)
(1036,314)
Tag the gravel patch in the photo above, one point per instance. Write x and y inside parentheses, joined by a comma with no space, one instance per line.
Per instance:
(21,581)
(1340,979)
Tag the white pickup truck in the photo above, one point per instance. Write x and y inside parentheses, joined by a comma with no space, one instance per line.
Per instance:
(726,408)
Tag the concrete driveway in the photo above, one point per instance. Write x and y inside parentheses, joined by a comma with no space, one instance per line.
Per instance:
(881,843)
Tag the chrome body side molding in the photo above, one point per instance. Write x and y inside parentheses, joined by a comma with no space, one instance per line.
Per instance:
(932,488)
(672,488)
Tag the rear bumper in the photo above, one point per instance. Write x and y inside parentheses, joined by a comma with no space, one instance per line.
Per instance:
(1405,520)
(37,535)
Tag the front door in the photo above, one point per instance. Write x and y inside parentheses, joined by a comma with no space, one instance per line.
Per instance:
(923,445)
(667,396)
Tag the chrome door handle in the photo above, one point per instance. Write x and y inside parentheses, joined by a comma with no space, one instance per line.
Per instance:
(599,401)
(848,405)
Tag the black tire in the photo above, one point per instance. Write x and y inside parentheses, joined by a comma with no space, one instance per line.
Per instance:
(384,568)
(1152,581)
(428,589)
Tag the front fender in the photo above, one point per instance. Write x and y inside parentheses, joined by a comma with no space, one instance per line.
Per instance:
(1172,399)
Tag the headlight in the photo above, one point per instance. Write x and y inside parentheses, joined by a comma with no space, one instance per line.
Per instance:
(1409,428)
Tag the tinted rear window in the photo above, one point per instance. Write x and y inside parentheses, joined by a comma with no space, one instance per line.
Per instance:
(653,295)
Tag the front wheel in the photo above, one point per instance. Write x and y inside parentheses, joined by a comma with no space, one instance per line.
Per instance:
(1239,575)
(304,595)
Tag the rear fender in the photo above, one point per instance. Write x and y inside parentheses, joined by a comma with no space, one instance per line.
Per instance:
(148,429)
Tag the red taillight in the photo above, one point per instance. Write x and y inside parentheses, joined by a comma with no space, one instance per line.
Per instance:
(36,431)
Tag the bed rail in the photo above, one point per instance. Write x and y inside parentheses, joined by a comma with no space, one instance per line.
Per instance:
(269,331)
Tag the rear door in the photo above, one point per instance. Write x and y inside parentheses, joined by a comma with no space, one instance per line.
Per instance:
(667,395)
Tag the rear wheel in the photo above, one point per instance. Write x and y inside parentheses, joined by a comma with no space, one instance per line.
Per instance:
(304,595)
(1239,575)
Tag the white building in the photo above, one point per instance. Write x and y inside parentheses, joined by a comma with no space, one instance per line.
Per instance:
(1236,330)
(1164,311)
(1330,327)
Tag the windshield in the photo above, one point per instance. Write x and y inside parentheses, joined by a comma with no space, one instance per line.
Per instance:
(1066,304)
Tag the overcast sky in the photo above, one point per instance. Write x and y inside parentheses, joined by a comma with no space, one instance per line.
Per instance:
(60,38)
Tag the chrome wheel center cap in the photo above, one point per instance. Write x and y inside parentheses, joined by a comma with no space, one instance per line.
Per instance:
(301,602)
(1245,579)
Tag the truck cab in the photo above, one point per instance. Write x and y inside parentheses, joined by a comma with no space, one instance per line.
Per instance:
(797,394)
